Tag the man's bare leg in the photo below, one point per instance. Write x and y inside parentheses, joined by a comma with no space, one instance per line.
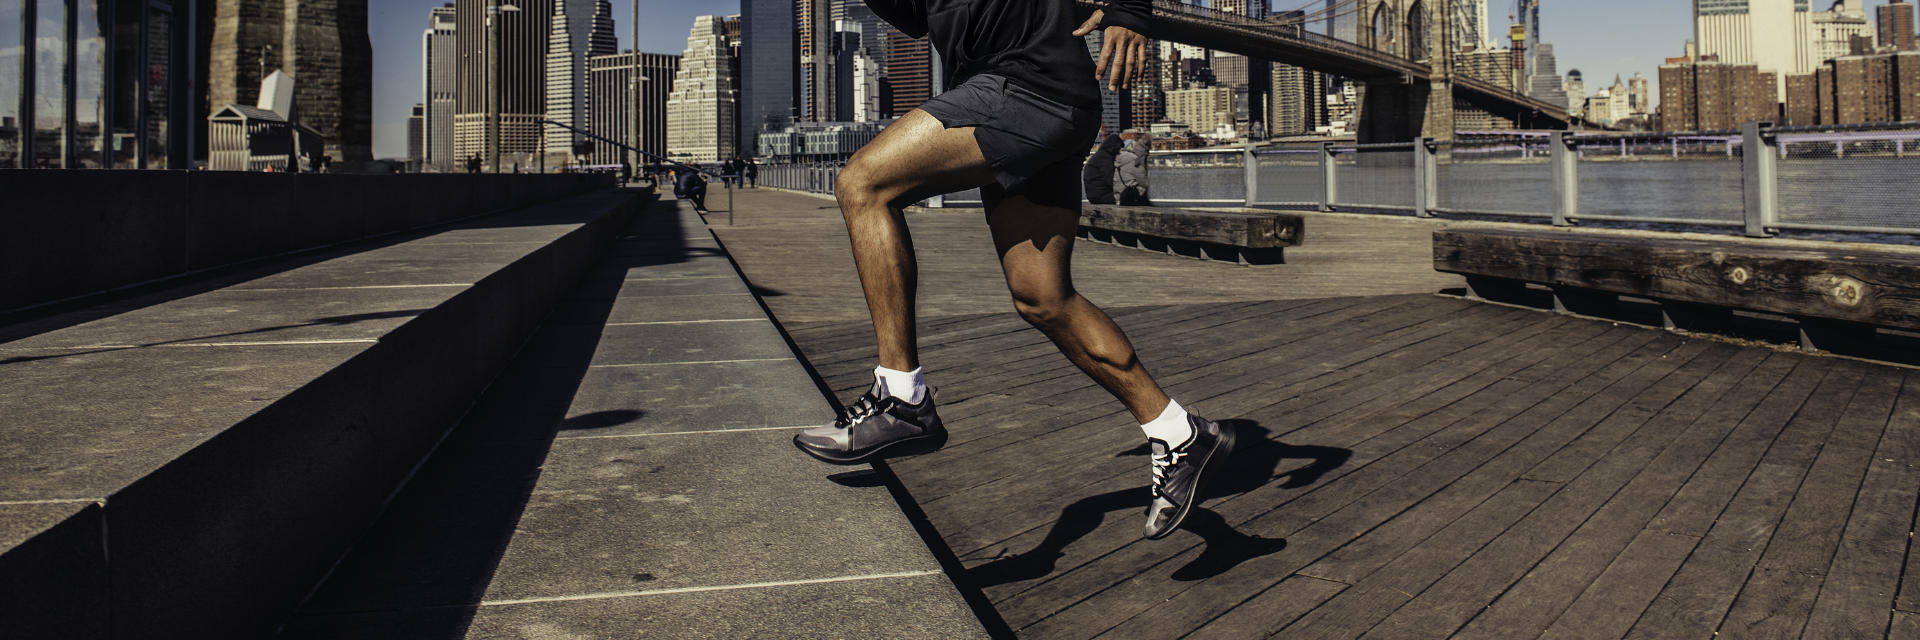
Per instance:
(1035,244)
(913,158)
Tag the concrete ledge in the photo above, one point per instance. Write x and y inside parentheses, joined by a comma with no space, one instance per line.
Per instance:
(193,467)
(74,233)
(632,475)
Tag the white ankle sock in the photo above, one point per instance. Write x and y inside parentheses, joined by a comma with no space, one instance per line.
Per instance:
(910,386)
(1171,427)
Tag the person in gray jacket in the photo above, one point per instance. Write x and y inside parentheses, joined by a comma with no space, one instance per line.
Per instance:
(1133,173)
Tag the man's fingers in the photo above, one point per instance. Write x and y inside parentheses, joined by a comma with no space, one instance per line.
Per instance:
(1108,54)
(1139,61)
(1093,22)
(1133,61)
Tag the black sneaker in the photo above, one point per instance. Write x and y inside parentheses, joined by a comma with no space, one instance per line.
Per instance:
(874,427)
(1177,471)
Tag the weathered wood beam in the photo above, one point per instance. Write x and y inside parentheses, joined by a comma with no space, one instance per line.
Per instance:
(1243,230)
(1853,285)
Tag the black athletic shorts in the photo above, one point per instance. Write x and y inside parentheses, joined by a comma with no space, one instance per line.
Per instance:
(1036,144)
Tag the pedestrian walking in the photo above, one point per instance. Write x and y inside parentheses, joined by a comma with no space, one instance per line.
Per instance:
(1023,101)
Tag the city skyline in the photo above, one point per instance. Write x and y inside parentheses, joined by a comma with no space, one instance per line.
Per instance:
(396,27)
(1616,38)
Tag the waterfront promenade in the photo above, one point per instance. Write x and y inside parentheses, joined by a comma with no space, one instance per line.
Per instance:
(1417,466)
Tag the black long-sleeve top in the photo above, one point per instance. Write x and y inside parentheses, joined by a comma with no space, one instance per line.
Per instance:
(1029,41)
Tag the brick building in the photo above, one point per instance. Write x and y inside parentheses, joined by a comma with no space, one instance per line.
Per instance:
(1857,90)
(1712,95)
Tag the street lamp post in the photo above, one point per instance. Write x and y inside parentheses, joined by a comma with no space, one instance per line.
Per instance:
(634,135)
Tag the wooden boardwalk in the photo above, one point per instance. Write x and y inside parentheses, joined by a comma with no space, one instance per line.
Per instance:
(1412,465)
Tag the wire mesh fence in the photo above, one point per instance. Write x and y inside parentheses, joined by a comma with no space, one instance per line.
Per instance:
(1289,176)
(1198,177)
(1856,180)
(1685,179)
(1861,181)
(1374,177)
(1502,175)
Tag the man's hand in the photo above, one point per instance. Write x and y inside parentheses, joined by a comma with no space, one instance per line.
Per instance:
(1123,53)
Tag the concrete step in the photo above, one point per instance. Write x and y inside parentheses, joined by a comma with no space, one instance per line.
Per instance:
(191,462)
(632,475)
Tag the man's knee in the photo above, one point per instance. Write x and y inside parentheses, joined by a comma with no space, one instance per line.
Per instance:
(857,187)
(1045,310)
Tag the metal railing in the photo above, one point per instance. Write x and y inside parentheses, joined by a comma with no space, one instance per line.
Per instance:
(1836,179)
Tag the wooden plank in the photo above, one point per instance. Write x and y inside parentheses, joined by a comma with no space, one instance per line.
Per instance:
(1377,548)
(1906,625)
(1854,284)
(1550,587)
(1455,599)
(1357,610)
(1777,599)
(1694,602)
(1263,230)
(1346,484)
(1529,356)
(1268,610)
(1614,601)
(1316,534)
(1745,407)
(1864,581)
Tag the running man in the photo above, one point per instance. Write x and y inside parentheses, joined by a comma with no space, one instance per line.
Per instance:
(1019,116)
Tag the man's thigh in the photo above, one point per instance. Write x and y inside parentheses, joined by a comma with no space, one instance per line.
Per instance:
(918,157)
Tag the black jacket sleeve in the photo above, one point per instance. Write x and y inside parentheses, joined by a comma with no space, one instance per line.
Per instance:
(1131,14)
(909,16)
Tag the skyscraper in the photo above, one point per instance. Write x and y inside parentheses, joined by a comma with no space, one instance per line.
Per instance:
(701,107)
(618,85)
(417,133)
(1299,101)
(909,72)
(1637,105)
(1546,83)
(1775,35)
(516,85)
(1115,107)
(1896,25)
(580,30)
(769,69)
(323,44)
(441,59)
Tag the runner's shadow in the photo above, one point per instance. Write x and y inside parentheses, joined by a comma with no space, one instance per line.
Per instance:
(1254,464)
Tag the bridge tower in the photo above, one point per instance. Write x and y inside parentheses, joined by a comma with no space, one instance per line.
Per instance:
(1407,109)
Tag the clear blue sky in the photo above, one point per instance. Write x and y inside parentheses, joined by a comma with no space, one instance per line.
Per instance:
(1601,38)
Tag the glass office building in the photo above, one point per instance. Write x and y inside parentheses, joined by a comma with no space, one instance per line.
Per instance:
(87,84)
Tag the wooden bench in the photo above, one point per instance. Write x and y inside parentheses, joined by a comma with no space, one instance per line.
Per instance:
(1245,238)
(1838,296)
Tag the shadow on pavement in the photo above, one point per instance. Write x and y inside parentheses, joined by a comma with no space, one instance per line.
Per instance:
(1254,464)
(430,559)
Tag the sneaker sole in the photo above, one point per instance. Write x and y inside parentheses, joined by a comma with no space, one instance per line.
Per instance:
(905,447)
(1199,482)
